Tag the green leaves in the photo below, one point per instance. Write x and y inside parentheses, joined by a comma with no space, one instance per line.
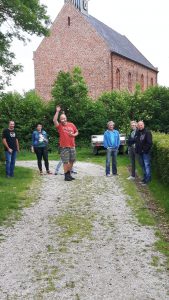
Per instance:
(71,93)
(161,156)
(25,110)
(17,18)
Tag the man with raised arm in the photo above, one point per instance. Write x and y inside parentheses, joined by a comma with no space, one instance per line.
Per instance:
(67,133)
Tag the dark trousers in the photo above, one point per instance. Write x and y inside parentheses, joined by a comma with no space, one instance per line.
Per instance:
(132,156)
(42,152)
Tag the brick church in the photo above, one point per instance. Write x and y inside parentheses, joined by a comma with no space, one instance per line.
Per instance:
(109,61)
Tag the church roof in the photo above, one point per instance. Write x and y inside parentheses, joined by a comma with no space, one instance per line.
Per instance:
(118,43)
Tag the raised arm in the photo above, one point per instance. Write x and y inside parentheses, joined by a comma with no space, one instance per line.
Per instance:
(55,118)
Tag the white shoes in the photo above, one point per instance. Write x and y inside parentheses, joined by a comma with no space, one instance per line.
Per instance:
(131,178)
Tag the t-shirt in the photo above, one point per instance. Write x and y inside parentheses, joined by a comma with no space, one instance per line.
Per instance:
(65,140)
(10,136)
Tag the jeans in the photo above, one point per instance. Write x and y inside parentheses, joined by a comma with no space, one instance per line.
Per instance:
(111,153)
(132,156)
(144,159)
(58,166)
(10,162)
(42,152)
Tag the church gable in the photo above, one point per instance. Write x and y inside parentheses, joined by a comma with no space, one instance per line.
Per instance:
(70,20)
(77,39)
(73,42)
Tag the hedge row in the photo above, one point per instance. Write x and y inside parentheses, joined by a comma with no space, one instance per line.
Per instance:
(160,155)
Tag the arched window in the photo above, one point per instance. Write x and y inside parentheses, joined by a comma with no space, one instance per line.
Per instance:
(152,82)
(68,19)
(129,82)
(118,79)
(142,82)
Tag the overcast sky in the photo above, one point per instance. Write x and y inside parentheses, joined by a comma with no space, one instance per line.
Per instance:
(145,23)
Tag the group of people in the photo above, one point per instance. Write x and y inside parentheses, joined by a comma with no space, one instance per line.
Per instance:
(139,144)
(67,133)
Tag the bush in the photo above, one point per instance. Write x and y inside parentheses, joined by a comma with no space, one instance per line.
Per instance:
(116,108)
(71,92)
(160,156)
(25,110)
(156,103)
(2,156)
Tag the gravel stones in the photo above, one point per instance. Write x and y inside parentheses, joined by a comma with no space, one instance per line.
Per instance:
(46,255)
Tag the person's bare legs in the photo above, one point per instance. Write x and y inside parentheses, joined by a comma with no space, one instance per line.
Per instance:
(66,167)
(67,170)
(71,165)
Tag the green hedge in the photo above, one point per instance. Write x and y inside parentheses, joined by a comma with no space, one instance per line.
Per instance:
(160,155)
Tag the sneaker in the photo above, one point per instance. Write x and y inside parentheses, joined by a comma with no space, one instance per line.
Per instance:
(131,178)
(58,173)
(41,172)
(144,183)
(108,175)
(73,172)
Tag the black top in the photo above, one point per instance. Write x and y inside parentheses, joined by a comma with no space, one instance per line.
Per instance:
(143,140)
(10,136)
(131,138)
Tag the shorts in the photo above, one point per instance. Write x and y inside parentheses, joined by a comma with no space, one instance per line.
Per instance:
(68,155)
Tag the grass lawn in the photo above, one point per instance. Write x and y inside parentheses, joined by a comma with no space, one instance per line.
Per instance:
(83,154)
(14,193)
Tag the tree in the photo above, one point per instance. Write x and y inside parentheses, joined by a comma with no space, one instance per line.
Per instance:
(18,17)
(116,106)
(71,92)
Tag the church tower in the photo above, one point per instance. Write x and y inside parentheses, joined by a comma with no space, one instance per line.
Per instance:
(81,5)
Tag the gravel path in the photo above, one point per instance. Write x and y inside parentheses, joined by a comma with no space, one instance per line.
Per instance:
(80,241)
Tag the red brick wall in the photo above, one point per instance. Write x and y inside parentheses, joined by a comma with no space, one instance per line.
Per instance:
(126,66)
(80,45)
(69,46)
